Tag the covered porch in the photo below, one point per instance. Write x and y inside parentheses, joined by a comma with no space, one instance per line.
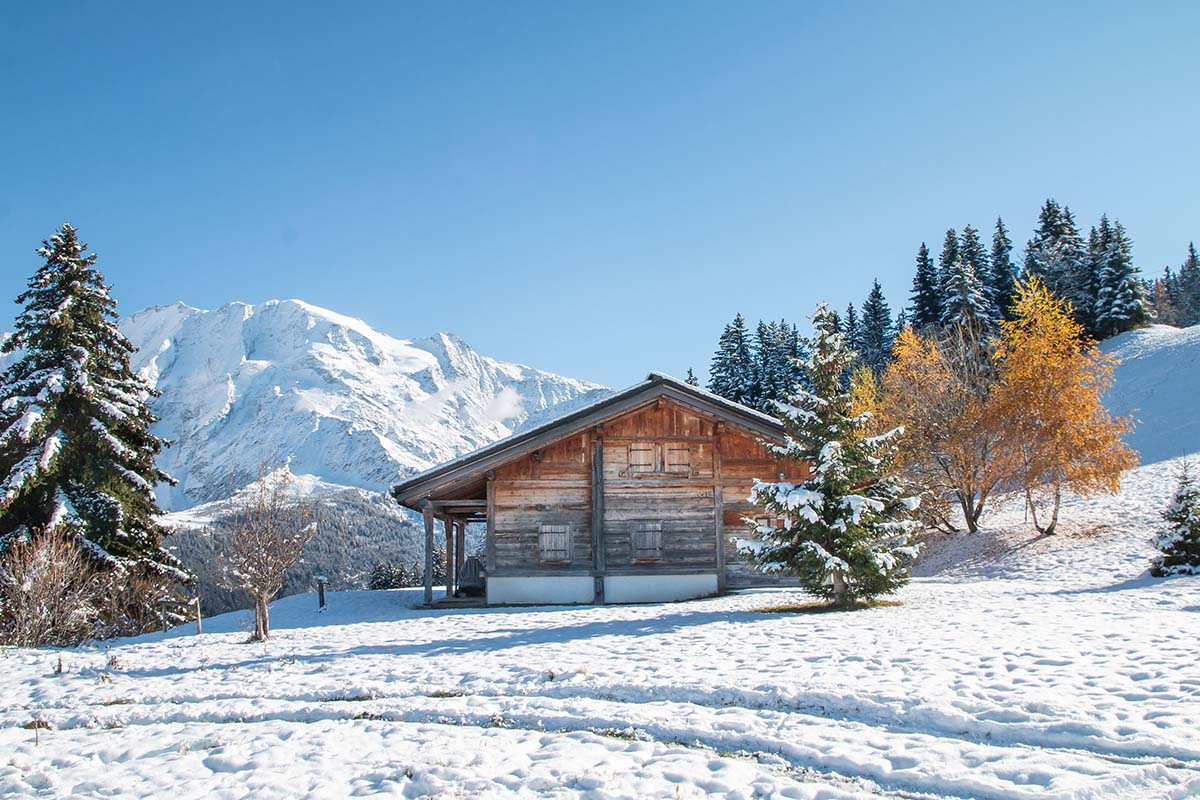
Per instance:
(449,519)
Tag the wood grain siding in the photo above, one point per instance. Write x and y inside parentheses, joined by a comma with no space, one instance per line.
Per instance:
(685,515)
(549,487)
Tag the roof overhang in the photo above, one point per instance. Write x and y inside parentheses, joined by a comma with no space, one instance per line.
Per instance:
(472,467)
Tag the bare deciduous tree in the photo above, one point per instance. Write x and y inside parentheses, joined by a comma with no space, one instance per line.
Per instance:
(266,534)
(50,593)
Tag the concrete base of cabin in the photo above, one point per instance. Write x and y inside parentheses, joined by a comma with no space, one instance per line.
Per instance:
(657,588)
(540,590)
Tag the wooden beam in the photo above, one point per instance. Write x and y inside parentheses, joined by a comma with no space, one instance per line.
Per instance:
(598,555)
(489,535)
(719,505)
(448,525)
(427,512)
(460,545)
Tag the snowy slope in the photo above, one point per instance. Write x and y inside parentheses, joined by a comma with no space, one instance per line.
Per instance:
(288,382)
(1053,668)
(1158,384)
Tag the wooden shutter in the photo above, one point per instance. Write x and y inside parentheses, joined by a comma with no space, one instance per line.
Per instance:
(554,542)
(678,458)
(641,458)
(647,541)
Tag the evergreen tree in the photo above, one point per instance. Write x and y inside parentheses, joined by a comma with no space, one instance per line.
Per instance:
(1055,255)
(1180,545)
(850,328)
(1120,303)
(1187,289)
(947,259)
(1002,278)
(691,379)
(966,297)
(973,254)
(876,333)
(732,372)
(926,297)
(845,527)
(76,454)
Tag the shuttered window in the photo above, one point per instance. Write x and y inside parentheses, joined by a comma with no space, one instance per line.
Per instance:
(642,458)
(554,543)
(647,541)
(678,458)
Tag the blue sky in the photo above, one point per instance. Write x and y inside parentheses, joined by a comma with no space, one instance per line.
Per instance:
(590,188)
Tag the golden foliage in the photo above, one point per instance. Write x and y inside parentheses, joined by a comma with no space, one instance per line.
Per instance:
(1049,396)
(940,394)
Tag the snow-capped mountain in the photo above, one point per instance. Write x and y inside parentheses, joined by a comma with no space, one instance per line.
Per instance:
(285,382)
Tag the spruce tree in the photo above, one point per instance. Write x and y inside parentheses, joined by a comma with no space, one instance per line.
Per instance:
(1002,279)
(1180,546)
(947,259)
(926,297)
(1055,255)
(876,333)
(691,379)
(973,254)
(77,457)
(1187,289)
(1120,303)
(966,297)
(845,528)
(732,372)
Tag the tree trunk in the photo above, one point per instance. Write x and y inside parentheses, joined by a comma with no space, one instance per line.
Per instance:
(266,618)
(969,515)
(839,589)
(260,619)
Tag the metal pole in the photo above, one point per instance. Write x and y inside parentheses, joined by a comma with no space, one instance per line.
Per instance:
(199,623)
(321,591)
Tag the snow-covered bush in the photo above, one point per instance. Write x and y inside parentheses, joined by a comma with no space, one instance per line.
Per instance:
(50,593)
(845,528)
(1180,545)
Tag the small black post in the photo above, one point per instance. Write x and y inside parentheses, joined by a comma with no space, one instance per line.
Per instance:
(321,579)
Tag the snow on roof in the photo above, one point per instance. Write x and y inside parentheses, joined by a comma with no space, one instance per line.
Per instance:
(405,487)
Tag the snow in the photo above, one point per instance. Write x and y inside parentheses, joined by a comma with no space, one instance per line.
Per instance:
(1016,666)
(1158,383)
(289,382)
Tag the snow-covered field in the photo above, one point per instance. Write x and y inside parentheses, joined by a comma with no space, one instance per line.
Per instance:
(1016,667)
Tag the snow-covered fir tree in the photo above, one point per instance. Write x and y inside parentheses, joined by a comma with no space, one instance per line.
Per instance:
(947,258)
(844,529)
(1180,546)
(732,372)
(965,296)
(76,453)
(1002,278)
(926,297)
(691,379)
(1055,252)
(851,329)
(1120,302)
(1188,289)
(876,333)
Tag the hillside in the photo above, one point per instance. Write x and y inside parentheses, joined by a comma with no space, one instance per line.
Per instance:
(1050,668)
(1158,384)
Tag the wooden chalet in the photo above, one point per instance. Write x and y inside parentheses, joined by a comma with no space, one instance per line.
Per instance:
(635,498)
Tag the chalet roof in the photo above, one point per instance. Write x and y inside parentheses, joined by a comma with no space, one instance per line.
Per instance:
(410,491)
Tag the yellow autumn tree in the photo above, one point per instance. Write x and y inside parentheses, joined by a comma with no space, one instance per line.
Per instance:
(1057,431)
(939,389)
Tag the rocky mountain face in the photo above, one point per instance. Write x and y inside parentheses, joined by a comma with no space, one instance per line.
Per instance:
(288,383)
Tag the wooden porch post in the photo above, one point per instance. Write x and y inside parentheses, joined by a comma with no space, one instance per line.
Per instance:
(460,546)
(448,524)
(427,512)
